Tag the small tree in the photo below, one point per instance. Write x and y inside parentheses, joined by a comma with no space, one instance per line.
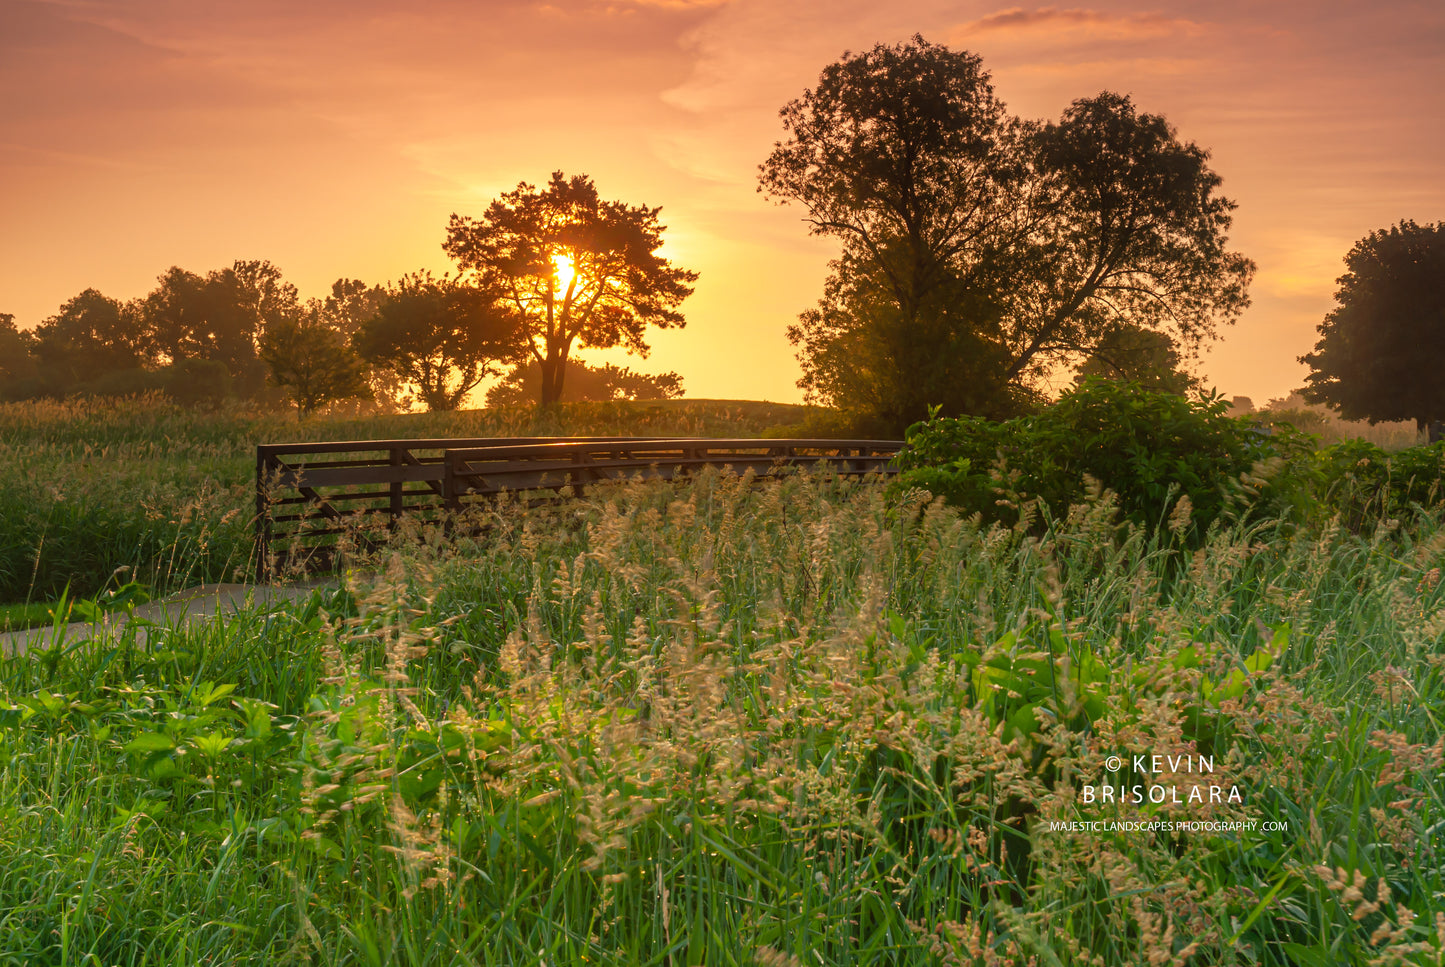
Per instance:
(441,335)
(576,270)
(312,362)
(350,304)
(1382,348)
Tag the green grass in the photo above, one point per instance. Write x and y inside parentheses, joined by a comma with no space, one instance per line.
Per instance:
(15,617)
(714,723)
(94,493)
(706,723)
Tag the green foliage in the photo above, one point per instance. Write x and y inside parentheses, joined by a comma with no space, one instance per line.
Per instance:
(586,383)
(168,491)
(1141,356)
(1150,448)
(1367,486)
(204,383)
(1328,428)
(19,370)
(720,723)
(88,342)
(313,362)
(215,319)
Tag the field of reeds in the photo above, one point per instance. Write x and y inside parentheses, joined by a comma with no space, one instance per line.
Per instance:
(810,722)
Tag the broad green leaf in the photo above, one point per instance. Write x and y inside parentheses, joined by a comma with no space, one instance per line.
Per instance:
(151,742)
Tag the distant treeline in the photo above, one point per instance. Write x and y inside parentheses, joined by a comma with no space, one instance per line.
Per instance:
(244,333)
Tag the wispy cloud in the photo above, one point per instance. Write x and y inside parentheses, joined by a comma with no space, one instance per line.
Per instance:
(1093,24)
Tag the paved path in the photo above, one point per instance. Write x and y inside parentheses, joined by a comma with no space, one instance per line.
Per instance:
(191,606)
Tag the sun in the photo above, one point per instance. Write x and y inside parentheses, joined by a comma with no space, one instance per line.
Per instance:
(564,270)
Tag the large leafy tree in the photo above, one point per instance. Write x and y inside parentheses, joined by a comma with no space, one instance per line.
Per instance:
(1382,348)
(443,336)
(218,318)
(980,250)
(90,342)
(350,304)
(578,271)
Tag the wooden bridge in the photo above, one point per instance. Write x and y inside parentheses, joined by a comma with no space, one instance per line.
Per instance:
(310,494)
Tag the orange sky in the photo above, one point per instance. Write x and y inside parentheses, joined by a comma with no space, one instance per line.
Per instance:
(335,137)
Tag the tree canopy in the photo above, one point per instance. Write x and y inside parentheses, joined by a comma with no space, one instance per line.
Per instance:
(1144,356)
(19,376)
(312,362)
(89,343)
(577,271)
(442,335)
(979,250)
(218,317)
(1382,348)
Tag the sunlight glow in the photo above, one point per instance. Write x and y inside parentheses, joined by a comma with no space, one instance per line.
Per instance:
(564,271)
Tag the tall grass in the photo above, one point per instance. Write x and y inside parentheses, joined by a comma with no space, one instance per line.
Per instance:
(725,724)
(166,493)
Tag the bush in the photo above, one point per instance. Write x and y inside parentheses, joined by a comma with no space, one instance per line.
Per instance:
(826,423)
(1365,485)
(1149,447)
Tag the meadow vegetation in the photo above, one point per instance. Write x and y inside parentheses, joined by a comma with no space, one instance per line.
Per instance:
(816,721)
(167,492)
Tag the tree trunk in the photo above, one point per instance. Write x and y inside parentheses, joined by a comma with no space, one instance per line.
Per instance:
(549,392)
(554,369)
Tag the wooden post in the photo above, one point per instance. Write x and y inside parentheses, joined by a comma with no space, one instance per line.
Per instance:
(398,457)
(451,499)
(263,516)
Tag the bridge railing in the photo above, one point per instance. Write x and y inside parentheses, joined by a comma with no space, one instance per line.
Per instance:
(575,464)
(311,496)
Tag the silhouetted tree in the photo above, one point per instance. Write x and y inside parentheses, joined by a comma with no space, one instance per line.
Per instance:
(584,383)
(313,362)
(578,270)
(979,249)
(443,336)
(350,304)
(93,344)
(1382,348)
(19,375)
(218,317)
(263,292)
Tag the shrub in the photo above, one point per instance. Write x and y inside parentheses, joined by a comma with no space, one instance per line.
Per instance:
(1150,448)
(1365,485)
